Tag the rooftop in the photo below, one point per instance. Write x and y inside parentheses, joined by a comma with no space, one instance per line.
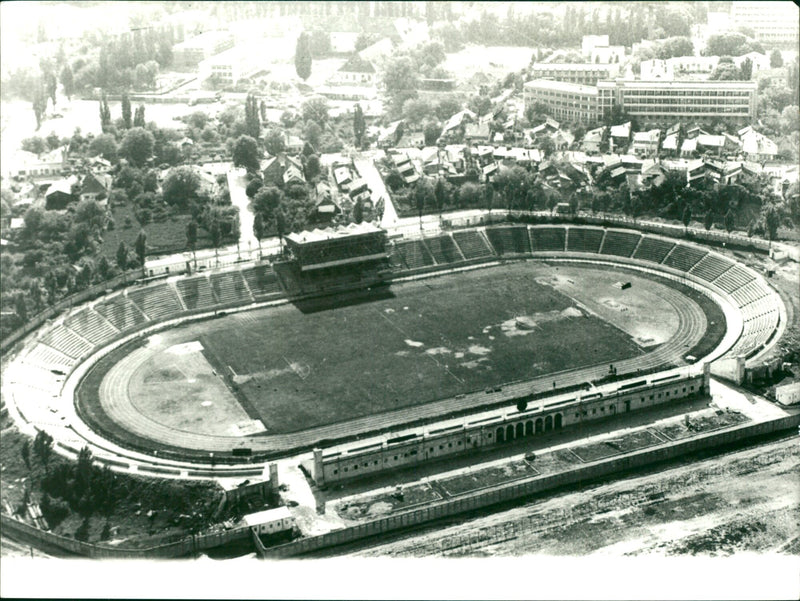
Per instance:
(561,86)
(332,233)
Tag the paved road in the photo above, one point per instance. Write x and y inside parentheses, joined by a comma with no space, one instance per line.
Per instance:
(237,184)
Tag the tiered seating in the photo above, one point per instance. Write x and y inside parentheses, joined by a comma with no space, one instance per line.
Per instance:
(121,312)
(91,326)
(472,245)
(395,257)
(749,293)
(621,244)
(45,356)
(66,341)
(196,293)
(262,281)
(414,254)
(653,249)
(585,240)
(443,249)
(756,332)
(509,240)
(156,302)
(711,267)
(733,279)
(548,238)
(684,257)
(229,287)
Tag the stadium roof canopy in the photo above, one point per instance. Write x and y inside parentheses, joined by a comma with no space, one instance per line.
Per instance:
(317,235)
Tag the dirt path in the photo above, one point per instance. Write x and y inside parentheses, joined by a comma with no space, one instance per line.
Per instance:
(745,500)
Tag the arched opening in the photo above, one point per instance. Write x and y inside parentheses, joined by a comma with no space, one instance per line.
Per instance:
(557,421)
(539,426)
(501,435)
(509,433)
(528,428)
(548,423)
(520,430)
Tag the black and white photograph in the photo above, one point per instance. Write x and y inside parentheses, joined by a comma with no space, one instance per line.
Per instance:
(400,299)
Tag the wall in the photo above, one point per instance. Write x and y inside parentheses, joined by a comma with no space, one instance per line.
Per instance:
(788,394)
(433,444)
(473,501)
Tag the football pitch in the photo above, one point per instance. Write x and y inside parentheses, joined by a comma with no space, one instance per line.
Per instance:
(433,339)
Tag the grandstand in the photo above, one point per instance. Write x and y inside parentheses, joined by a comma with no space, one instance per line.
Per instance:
(472,244)
(120,312)
(443,249)
(711,267)
(334,260)
(67,342)
(509,240)
(683,257)
(653,249)
(261,281)
(585,240)
(548,239)
(91,326)
(733,279)
(156,302)
(196,293)
(413,254)
(49,358)
(621,244)
(230,288)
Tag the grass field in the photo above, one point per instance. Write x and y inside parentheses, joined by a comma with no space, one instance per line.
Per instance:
(434,339)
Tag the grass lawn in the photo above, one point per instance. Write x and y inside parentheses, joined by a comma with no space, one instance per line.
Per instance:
(165,237)
(705,422)
(434,339)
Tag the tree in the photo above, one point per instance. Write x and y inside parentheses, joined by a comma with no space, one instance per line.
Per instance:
(687,216)
(253,186)
(400,81)
(246,154)
(771,223)
(312,133)
(105,114)
(488,196)
(138,117)
(280,226)
(311,168)
(775,59)
(730,221)
(274,142)
(140,247)
(43,446)
(104,268)
(104,145)
(358,212)
(708,220)
(302,56)
(34,144)
(19,306)
(191,237)
(431,132)
(258,229)
(122,256)
(725,72)
(39,104)
(480,105)
(675,46)
(126,111)
(180,187)
(67,81)
(252,118)
(440,194)
(315,109)
(137,146)
(25,451)
(746,69)
(359,125)
(267,200)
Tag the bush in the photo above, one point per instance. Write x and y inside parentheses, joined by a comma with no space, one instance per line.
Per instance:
(54,510)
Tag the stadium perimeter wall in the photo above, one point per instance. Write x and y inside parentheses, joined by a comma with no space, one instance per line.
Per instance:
(510,492)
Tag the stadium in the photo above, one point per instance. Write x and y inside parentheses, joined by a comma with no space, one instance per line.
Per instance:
(372,351)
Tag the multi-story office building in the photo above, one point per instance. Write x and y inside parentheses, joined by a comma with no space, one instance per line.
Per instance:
(656,103)
(774,23)
(665,102)
(584,73)
(192,52)
(566,101)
